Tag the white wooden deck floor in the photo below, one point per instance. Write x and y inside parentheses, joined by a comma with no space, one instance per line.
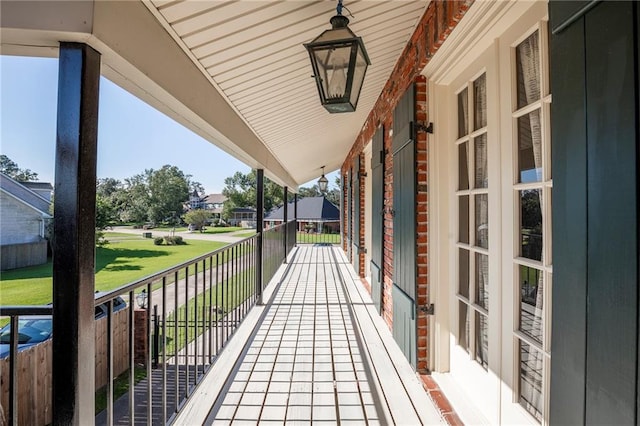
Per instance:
(318,354)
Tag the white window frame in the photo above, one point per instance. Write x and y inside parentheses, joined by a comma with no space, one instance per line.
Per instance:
(513,412)
(483,384)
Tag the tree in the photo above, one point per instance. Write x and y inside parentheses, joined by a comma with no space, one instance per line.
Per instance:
(133,200)
(11,169)
(313,191)
(105,213)
(168,191)
(333,195)
(197,218)
(150,196)
(194,186)
(240,190)
(108,187)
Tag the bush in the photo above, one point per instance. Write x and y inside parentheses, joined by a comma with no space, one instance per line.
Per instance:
(158,241)
(101,241)
(174,241)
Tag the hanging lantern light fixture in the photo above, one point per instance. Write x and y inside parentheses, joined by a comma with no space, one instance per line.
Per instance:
(339,62)
(323,182)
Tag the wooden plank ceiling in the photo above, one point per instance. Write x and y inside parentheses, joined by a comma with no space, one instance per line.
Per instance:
(253,53)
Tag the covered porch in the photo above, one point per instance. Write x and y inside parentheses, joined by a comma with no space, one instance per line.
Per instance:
(490,173)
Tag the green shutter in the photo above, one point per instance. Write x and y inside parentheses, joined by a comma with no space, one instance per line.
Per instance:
(404,226)
(377,216)
(355,196)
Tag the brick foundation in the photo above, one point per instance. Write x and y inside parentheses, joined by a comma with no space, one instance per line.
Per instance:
(440,401)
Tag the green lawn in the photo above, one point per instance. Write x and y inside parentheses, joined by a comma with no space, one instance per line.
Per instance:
(120,262)
(313,238)
(120,387)
(208,230)
(211,307)
(245,234)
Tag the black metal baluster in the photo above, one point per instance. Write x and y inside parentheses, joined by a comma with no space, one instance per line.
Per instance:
(211,310)
(132,343)
(186,332)
(176,318)
(164,350)
(110,362)
(149,355)
(195,325)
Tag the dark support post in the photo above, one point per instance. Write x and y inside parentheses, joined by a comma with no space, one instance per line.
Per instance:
(259,230)
(285,220)
(74,236)
(295,214)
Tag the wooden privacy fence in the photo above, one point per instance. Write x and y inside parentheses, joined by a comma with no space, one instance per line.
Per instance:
(35,365)
(120,346)
(14,256)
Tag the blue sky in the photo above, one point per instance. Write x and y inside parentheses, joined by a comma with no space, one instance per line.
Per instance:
(132,136)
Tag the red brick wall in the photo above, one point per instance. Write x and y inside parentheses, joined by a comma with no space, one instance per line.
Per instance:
(435,25)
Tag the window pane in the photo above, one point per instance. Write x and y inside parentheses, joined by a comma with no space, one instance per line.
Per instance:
(463,284)
(482,280)
(480,150)
(482,340)
(530,147)
(481,224)
(463,218)
(531,363)
(463,113)
(531,302)
(463,326)
(480,102)
(528,70)
(463,166)
(530,224)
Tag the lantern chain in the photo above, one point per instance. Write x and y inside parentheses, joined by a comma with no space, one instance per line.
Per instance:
(341,6)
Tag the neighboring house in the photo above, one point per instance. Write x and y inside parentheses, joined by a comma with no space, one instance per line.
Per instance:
(244,217)
(43,189)
(215,203)
(315,214)
(195,201)
(24,216)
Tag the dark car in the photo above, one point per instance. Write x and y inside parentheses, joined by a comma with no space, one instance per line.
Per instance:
(31,331)
(101,310)
(36,329)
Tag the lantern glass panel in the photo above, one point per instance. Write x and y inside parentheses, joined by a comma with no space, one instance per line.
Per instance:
(358,76)
(333,66)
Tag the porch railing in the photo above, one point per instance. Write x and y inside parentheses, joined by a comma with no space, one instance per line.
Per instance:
(273,251)
(291,234)
(312,237)
(178,322)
